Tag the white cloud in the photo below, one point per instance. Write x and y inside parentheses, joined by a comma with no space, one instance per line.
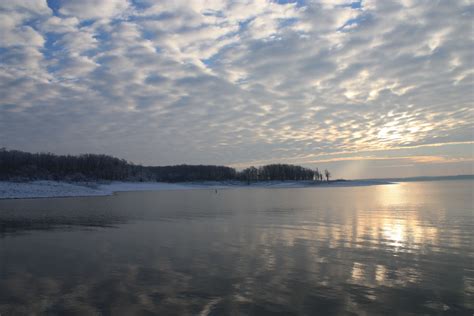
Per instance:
(33,6)
(93,9)
(233,82)
(56,24)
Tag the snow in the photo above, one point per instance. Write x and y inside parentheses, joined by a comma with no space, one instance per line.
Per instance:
(43,189)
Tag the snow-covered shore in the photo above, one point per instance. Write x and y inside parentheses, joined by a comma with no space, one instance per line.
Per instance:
(43,189)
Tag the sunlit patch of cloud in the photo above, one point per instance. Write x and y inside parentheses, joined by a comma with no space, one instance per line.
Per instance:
(235,83)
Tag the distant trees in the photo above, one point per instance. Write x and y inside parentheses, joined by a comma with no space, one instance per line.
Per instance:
(327,174)
(284,172)
(19,165)
(249,174)
(317,175)
(182,173)
(277,172)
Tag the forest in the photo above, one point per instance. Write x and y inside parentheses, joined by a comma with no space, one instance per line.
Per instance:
(18,165)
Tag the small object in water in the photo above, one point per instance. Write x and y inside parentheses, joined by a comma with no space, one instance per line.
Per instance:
(215,191)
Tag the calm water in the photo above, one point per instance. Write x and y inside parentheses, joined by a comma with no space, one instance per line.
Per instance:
(392,249)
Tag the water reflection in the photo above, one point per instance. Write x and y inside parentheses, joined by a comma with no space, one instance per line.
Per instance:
(368,250)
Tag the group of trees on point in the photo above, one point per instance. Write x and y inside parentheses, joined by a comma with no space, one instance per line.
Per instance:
(19,165)
(281,172)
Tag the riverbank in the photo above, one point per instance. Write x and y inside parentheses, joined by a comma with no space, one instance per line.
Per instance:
(45,189)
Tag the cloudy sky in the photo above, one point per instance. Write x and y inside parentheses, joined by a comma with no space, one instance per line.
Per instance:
(366,89)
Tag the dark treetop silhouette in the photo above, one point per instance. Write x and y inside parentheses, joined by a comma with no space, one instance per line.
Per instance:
(21,166)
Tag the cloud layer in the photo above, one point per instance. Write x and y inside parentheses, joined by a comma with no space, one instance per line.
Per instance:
(236,82)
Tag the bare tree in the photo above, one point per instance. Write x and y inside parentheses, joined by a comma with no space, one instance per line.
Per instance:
(316,174)
(327,174)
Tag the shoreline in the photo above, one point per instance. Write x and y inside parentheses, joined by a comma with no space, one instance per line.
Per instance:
(59,189)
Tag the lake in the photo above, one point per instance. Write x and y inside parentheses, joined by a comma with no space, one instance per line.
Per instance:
(395,249)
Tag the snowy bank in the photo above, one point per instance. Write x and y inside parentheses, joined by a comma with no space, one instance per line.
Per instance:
(43,189)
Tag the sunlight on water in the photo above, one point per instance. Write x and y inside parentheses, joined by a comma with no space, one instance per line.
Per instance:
(403,248)
(391,195)
(396,232)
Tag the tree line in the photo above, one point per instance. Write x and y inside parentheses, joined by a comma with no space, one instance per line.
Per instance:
(22,166)
(282,172)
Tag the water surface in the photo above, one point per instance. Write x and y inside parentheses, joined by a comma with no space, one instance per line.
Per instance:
(390,249)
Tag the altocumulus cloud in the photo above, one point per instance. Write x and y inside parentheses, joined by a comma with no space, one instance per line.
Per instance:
(241,82)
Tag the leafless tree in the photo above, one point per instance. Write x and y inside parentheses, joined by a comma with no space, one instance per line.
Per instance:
(327,174)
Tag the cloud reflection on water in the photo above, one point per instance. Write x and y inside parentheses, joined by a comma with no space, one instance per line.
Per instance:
(255,252)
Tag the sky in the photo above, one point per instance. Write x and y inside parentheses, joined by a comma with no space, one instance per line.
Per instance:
(364,88)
